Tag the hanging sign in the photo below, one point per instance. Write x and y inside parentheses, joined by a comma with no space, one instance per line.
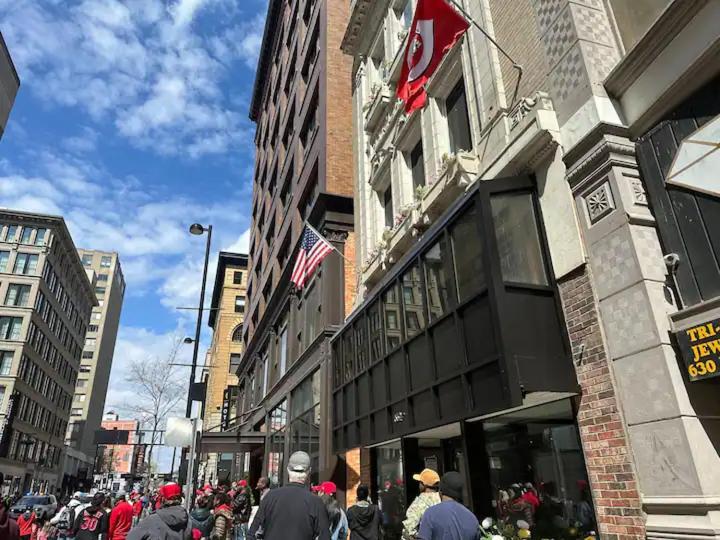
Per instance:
(700,347)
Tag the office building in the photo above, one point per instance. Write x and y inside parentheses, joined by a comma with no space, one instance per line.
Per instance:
(539,272)
(96,363)
(227,312)
(46,300)
(9,85)
(303,173)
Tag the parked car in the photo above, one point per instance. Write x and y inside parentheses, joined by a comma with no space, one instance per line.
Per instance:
(44,506)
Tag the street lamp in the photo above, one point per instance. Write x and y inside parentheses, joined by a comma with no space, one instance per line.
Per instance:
(197,229)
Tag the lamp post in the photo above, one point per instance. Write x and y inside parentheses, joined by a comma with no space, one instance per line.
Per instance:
(197,230)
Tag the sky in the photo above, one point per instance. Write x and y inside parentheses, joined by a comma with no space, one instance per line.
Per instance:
(132,123)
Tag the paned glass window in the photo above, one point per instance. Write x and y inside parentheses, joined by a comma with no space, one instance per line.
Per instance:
(376,332)
(518,239)
(40,237)
(237,277)
(239,304)
(106,261)
(26,235)
(458,119)
(10,327)
(438,278)
(87,260)
(26,263)
(17,295)
(6,358)
(11,233)
(468,255)
(391,309)
(387,204)
(4,256)
(413,301)
(417,165)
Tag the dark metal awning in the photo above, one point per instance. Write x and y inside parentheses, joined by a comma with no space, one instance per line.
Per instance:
(231,441)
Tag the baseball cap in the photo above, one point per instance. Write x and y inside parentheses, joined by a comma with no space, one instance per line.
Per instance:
(328,488)
(299,462)
(170,491)
(427,477)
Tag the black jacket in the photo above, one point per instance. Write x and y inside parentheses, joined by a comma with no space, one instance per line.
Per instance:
(242,507)
(364,520)
(168,523)
(291,508)
(202,520)
(91,523)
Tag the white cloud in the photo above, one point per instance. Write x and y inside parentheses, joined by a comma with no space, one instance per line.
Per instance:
(140,64)
(241,245)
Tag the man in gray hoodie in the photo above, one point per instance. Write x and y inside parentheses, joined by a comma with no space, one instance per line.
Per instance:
(170,522)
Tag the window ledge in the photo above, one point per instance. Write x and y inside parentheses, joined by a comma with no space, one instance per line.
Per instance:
(456,175)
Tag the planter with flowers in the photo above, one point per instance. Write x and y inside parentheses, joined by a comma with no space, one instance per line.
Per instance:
(380,97)
(457,172)
(402,233)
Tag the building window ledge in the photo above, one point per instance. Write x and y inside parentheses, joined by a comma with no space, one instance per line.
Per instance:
(380,98)
(457,173)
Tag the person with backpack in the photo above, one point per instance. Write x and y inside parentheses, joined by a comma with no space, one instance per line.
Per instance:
(201,517)
(65,518)
(223,526)
(92,521)
(170,522)
(336,515)
(364,518)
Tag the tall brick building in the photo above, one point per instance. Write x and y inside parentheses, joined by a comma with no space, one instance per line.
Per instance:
(227,313)
(303,173)
(540,280)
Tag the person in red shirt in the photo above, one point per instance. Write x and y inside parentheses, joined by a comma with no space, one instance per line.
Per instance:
(25,524)
(137,507)
(121,519)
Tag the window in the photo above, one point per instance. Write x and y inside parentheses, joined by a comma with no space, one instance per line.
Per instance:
(76,412)
(102,277)
(305,420)
(237,334)
(87,354)
(85,369)
(387,204)
(237,277)
(10,327)
(81,383)
(458,120)
(96,316)
(105,261)
(90,342)
(278,423)
(438,279)
(4,256)
(11,233)
(87,260)
(234,362)
(81,397)
(2,396)
(6,358)
(40,237)
(93,328)
(17,295)
(239,304)
(391,307)
(518,239)
(467,255)
(25,235)
(413,301)
(417,166)
(25,263)
(100,291)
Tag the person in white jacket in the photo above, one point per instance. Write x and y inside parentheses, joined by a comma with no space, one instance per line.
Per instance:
(65,518)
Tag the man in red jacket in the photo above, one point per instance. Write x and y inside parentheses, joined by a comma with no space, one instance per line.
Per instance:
(121,519)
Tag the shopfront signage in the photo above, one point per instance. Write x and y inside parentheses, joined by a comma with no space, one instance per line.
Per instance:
(700,346)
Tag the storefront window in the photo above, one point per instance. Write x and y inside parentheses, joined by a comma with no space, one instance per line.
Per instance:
(413,301)
(438,280)
(537,471)
(278,423)
(391,488)
(376,333)
(468,255)
(391,306)
(518,239)
(305,423)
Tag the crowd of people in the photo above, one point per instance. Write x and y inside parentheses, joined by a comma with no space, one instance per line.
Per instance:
(230,512)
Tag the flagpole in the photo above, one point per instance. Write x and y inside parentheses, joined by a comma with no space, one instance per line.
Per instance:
(515,65)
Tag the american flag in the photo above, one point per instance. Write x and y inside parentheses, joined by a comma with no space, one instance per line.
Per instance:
(313,249)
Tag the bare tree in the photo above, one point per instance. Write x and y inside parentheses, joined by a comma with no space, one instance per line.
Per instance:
(159,391)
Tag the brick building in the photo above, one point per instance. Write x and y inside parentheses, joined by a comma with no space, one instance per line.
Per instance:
(115,465)
(227,312)
(303,173)
(538,264)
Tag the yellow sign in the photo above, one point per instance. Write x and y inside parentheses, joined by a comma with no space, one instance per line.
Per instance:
(700,346)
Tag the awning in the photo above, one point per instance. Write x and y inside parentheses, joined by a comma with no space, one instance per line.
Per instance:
(230,441)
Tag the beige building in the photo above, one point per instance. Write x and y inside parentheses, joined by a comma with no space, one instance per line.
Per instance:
(97,358)
(46,301)
(227,313)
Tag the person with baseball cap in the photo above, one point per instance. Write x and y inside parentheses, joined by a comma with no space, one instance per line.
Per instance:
(170,522)
(93,520)
(429,482)
(336,515)
(292,511)
(449,520)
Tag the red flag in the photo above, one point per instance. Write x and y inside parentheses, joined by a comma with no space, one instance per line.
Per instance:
(436,27)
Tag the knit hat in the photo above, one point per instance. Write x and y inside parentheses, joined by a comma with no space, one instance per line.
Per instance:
(451,485)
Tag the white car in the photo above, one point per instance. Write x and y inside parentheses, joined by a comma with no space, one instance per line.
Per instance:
(44,506)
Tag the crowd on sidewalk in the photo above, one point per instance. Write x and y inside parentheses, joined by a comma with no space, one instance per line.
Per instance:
(230,512)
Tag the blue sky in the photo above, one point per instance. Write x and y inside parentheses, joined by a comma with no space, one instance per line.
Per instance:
(132,123)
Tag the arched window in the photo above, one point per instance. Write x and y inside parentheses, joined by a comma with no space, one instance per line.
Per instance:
(237,334)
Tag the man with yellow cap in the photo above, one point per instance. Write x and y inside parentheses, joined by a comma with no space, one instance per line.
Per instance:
(429,481)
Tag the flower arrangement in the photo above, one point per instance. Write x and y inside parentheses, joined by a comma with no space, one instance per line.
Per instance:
(420,192)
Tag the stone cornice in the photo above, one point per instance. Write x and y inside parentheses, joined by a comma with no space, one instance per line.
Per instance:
(609,150)
(360,14)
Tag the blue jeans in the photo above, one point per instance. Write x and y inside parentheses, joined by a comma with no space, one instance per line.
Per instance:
(240,531)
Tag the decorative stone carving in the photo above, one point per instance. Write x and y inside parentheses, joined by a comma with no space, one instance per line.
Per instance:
(540,100)
(335,235)
(599,202)
(638,192)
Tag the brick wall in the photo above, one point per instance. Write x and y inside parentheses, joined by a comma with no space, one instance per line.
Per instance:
(338,73)
(516,30)
(358,472)
(602,431)
(350,274)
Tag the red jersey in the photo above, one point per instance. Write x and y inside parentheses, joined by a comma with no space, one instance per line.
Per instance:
(120,521)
